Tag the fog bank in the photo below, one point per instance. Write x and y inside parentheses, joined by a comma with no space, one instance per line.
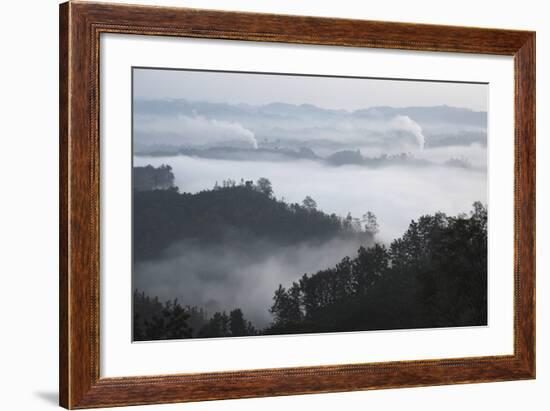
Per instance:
(235,274)
(396,194)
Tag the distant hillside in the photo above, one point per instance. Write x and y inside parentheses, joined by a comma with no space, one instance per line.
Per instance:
(423,115)
(196,124)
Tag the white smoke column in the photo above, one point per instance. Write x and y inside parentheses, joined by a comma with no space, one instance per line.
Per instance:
(407,124)
(235,129)
(195,130)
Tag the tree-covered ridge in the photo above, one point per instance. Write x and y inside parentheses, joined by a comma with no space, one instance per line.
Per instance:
(165,217)
(154,320)
(435,275)
(153,178)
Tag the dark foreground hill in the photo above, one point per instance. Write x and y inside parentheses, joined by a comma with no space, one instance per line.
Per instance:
(435,275)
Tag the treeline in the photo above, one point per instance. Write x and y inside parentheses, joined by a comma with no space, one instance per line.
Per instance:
(153,178)
(346,157)
(433,276)
(338,158)
(154,320)
(244,209)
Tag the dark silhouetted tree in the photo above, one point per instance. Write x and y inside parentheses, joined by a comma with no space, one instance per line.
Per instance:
(370,223)
(238,326)
(218,326)
(169,323)
(309,204)
(151,178)
(264,186)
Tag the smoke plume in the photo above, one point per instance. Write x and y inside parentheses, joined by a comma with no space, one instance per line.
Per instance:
(195,130)
(405,123)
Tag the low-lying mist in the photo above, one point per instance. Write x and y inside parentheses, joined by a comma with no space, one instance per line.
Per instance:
(238,273)
(396,194)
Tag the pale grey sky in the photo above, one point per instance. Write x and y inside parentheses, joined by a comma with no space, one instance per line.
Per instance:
(327,92)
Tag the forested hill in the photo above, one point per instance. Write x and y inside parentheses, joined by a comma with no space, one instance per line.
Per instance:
(243,211)
(435,275)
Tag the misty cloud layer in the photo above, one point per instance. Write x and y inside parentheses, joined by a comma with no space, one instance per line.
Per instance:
(399,162)
(183,130)
(375,131)
(243,275)
(395,194)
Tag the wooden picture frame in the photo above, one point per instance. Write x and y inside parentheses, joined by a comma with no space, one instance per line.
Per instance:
(80,27)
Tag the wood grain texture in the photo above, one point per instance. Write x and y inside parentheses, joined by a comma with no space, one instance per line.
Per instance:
(525,203)
(63,205)
(80,27)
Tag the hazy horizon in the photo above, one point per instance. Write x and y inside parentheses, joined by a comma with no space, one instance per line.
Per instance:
(330,92)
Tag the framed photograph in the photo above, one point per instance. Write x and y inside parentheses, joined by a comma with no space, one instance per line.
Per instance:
(259,205)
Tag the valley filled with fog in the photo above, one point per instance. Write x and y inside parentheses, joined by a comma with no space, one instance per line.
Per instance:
(395,194)
(396,163)
(244,274)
